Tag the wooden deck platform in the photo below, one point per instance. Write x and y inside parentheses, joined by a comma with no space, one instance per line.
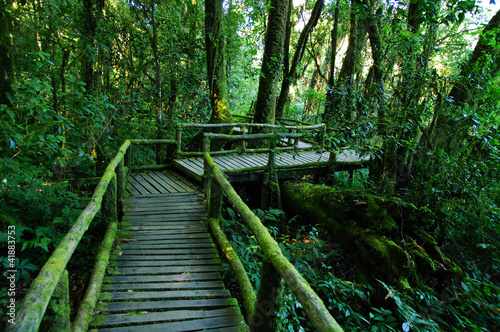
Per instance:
(290,165)
(166,274)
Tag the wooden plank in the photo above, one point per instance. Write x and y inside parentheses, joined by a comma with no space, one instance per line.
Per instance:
(164,206)
(166,225)
(162,226)
(179,180)
(174,257)
(174,183)
(164,278)
(166,263)
(178,210)
(169,236)
(187,325)
(171,304)
(167,316)
(165,184)
(132,190)
(137,186)
(190,166)
(181,230)
(169,269)
(150,181)
(165,285)
(151,190)
(169,246)
(165,198)
(167,294)
(167,217)
(168,251)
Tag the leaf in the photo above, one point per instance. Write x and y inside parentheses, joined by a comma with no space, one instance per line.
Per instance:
(406,326)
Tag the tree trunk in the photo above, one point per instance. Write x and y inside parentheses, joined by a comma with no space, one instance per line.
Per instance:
(89,27)
(216,65)
(297,57)
(350,66)
(6,70)
(273,58)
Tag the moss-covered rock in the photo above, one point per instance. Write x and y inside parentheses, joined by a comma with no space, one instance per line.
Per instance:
(391,239)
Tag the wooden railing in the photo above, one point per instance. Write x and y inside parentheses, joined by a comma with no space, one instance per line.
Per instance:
(274,263)
(287,131)
(107,197)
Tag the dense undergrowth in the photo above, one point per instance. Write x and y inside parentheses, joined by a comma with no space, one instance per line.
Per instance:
(466,303)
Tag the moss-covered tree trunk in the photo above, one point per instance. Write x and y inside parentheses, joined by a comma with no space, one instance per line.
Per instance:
(391,240)
(216,67)
(216,64)
(265,105)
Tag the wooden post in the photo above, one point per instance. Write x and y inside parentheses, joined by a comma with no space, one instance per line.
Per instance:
(129,158)
(207,170)
(108,207)
(331,169)
(57,315)
(269,299)
(215,201)
(264,195)
(120,189)
(270,185)
(178,137)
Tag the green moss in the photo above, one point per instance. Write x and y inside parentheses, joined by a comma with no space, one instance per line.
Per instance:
(375,229)
(378,217)
(99,320)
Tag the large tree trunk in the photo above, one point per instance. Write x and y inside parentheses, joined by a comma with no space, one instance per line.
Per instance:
(297,57)
(6,70)
(271,64)
(216,65)
(91,13)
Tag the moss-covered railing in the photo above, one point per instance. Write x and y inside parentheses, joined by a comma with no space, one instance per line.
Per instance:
(275,266)
(287,131)
(50,288)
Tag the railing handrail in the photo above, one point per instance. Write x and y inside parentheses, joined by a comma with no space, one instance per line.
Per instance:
(275,128)
(311,302)
(250,124)
(40,292)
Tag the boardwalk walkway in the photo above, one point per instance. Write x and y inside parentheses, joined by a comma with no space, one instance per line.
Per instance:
(243,166)
(166,273)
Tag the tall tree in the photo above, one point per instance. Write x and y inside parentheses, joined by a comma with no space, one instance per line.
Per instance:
(350,66)
(92,11)
(216,65)
(5,60)
(291,74)
(265,105)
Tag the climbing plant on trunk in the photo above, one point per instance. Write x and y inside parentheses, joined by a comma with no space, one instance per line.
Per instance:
(265,105)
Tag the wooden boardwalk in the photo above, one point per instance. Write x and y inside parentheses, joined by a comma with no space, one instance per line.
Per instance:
(166,274)
(238,166)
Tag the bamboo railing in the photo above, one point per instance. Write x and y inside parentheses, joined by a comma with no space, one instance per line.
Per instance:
(215,184)
(107,197)
(288,131)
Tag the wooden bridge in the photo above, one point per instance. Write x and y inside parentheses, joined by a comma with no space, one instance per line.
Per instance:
(163,270)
